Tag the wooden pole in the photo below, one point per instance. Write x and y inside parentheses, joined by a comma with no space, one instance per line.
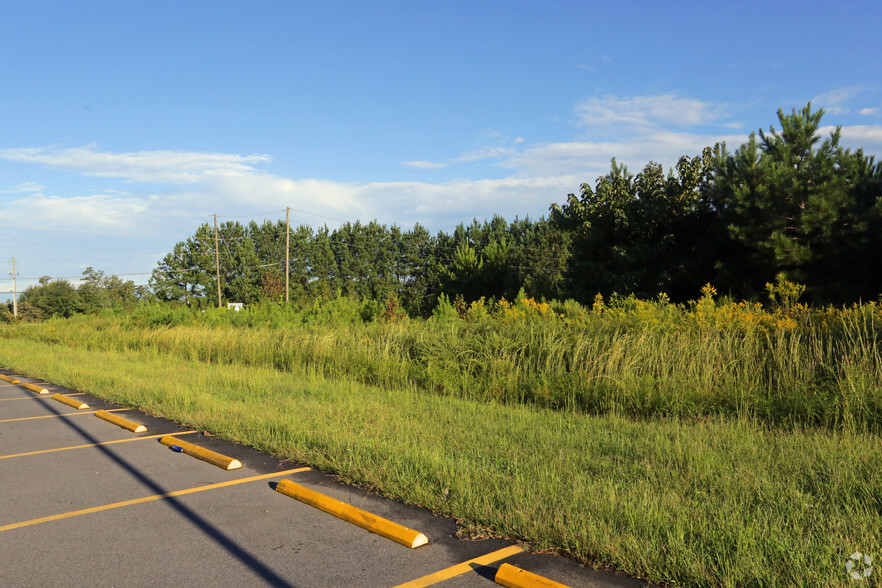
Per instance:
(217,260)
(287,253)
(14,291)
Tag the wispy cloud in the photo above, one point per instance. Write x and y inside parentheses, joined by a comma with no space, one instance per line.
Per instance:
(487,153)
(425,164)
(868,137)
(102,210)
(868,111)
(185,184)
(646,111)
(833,101)
(440,206)
(496,145)
(24,188)
(176,167)
(591,158)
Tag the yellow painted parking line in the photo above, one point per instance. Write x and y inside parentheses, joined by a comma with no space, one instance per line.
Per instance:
(94,509)
(462,568)
(55,416)
(36,397)
(89,445)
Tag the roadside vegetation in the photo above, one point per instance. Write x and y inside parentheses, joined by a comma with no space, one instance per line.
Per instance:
(575,382)
(786,364)
(709,443)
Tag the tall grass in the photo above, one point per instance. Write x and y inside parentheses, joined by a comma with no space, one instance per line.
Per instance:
(704,502)
(632,358)
(714,443)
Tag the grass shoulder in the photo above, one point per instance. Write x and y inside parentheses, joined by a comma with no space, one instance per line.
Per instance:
(682,501)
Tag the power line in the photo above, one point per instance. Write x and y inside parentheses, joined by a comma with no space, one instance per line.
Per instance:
(321,215)
(250,215)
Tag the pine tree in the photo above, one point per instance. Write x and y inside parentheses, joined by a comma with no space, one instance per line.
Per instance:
(801,207)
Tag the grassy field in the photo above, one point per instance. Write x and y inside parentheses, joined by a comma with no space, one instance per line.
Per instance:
(799,367)
(660,441)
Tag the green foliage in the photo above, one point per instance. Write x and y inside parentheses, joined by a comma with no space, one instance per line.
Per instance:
(338,311)
(571,310)
(463,274)
(681,502)
(157,314)
(6,315)
(98,292)
(796,205)
(786,365)
(784,293)
(444,312)
(50,299)
(495,259)
(370,262)
(641,234)
(785,202)
(187,273)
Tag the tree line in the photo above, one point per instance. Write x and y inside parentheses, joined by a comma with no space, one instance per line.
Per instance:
(788,203)
(95,292)
(784,203)
(366,261)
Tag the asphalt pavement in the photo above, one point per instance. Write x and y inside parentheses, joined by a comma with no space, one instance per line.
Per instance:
(84,502)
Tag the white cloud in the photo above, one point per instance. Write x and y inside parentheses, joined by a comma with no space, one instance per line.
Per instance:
(230,184)
(24,187)
(176,167)
(98,210)
(267,192)
(439,206)
(425,164)
(832,101)
(645,111)
(435,205)
(540,175)
(870,133)
(591,159)
(491,152)
(868,111)
(198,184)
(868,137)
(486,153)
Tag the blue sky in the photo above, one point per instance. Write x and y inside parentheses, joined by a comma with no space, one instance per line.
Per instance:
(127,124)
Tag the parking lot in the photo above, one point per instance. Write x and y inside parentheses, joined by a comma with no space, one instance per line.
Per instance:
(88,502)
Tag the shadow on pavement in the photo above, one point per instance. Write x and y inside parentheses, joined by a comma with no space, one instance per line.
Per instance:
(215,534)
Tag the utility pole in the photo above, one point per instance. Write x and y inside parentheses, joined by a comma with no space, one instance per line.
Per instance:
(14,290)
(217,260)
(287,251)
